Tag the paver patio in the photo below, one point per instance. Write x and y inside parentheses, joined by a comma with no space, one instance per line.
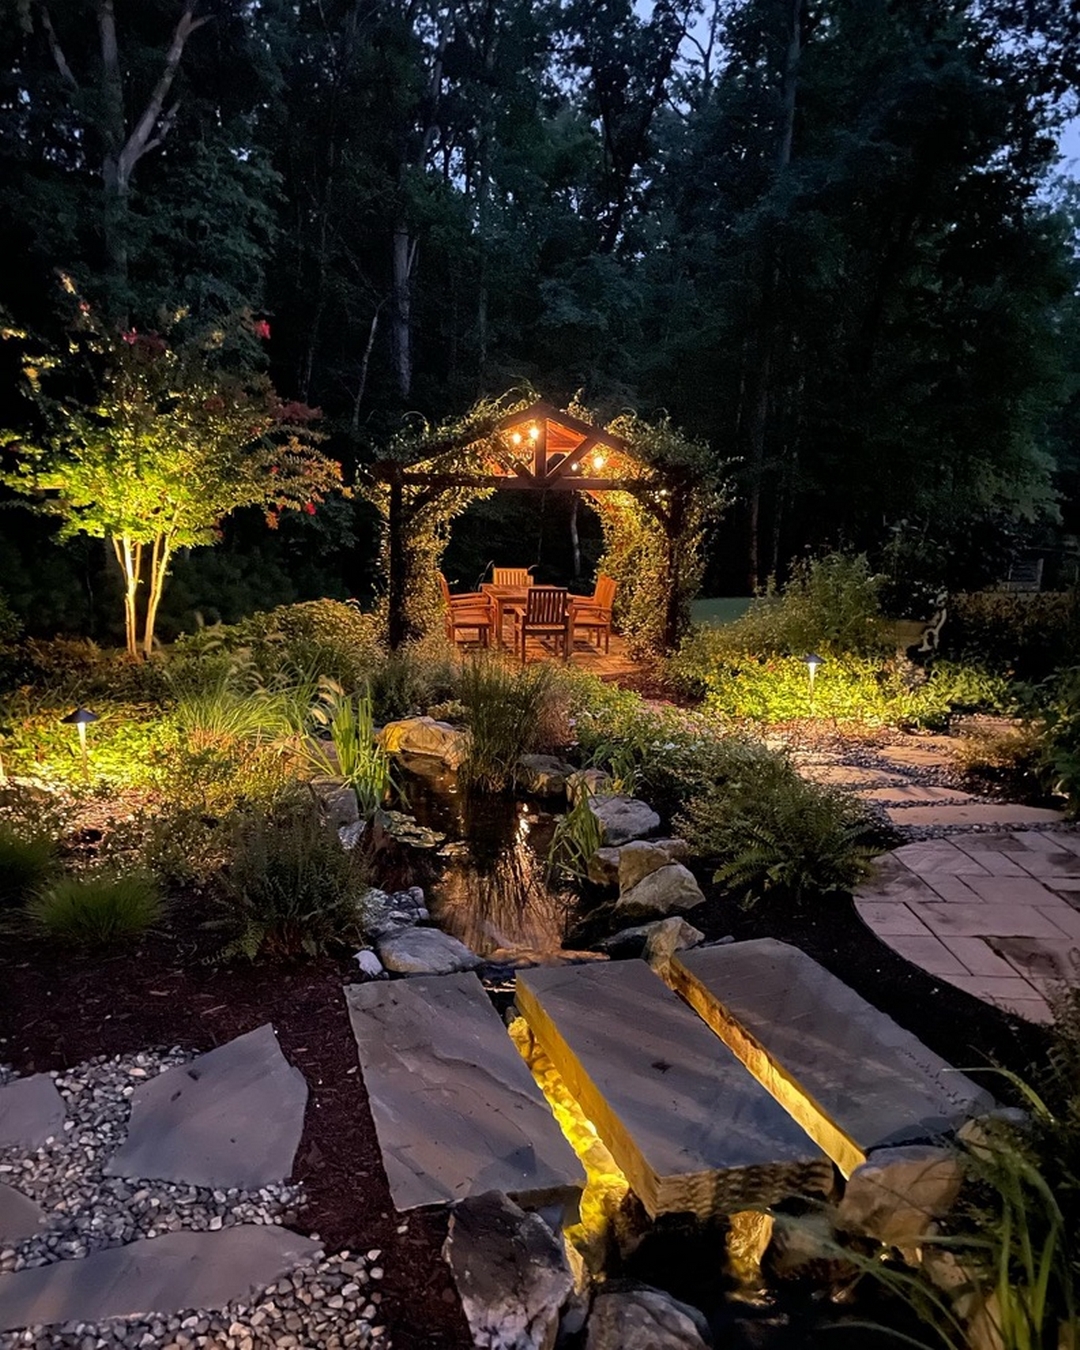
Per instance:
(997,915)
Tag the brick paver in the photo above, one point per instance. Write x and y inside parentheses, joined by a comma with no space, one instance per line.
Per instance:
(995,914)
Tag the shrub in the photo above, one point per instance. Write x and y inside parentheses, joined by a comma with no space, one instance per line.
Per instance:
(290,888)
(26,861)
(1027,635)
(99,909)
(78,671)
(771,829)
(1054,712)
(506,709)
(331,637)
(234,704)
(409,681)
(830,604)
(746,685)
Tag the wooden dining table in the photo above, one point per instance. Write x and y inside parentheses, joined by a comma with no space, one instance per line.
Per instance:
(505,599)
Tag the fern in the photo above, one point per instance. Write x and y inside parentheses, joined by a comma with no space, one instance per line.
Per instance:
(768,828)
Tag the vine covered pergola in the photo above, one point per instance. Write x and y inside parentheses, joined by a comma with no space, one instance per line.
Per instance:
(650,485)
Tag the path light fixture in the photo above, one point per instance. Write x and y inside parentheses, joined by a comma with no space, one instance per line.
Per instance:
(812,661)
(81,718)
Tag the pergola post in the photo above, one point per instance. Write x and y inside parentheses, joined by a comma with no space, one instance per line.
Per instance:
(396,618)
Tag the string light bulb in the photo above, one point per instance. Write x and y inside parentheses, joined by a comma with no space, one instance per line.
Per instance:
(534,433)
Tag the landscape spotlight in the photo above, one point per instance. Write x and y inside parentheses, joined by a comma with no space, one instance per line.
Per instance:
(81,718)
(812,661)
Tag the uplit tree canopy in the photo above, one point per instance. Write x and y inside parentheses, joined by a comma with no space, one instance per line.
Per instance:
(177,434)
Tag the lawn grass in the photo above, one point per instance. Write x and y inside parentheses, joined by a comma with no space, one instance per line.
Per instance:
(720,610)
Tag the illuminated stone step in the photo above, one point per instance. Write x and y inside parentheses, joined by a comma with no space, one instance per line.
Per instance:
(850,1075)
(683,1119)
(456,1109)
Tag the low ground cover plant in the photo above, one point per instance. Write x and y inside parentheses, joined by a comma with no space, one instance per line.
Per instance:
(97,909)
(27,860)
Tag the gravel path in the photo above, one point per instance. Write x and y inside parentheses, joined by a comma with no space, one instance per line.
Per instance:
(327,1306)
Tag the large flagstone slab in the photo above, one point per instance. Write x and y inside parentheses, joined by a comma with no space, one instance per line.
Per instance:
(31,1111)
(456,1110)
(690,1128)
(231,1118)
(853,1077)
(19,1216)
(155,1275)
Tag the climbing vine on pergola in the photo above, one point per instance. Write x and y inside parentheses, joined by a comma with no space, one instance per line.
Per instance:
(653,489)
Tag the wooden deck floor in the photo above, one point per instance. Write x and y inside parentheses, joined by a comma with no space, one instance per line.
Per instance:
(613,665)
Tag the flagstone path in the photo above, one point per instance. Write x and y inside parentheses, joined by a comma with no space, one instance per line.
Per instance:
(987,896)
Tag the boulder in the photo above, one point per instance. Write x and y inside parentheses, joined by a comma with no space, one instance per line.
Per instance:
(604,867)
(678,850)
(637,859)
(668,936)
(511,1271)
(644,1319)
(805,1248)
(543,775)
(668,890)
(425,736)
(369,964)
(425,951)
(386,914)
(338,802)
(898,1192)
(624,818)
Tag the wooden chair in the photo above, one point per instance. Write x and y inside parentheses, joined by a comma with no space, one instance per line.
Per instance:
(510,576)
(469,612)
(545,615)
(593,612)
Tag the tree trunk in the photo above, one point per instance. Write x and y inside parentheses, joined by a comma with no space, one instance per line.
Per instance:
(159,569)
(401,311)
(129,558)
(365,361)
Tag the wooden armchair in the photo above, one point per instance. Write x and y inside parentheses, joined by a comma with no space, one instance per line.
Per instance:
(544,614)
(470,612)
(593,612)
(510,576)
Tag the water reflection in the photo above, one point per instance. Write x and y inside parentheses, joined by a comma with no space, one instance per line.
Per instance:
(493,893)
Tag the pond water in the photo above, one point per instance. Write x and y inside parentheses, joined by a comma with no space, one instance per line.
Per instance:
(492,893)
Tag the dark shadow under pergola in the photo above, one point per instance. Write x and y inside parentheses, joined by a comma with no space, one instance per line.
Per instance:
(539,448)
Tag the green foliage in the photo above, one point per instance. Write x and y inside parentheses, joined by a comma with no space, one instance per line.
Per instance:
(578,834)
(289,889)
(412,679)
(27,859)
(505,706)
(744,684)
(233,704)
(1028,636)
(1057,721)
(79,671)
(770,829)
(125,747)
(99,909)
(328,637)
(358,758)
(830,605)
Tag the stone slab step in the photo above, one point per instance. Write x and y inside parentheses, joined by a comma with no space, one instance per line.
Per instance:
(914,794)
(233,1118)
(456,1110)
(168,1274)
(976,813)
(19,1216)
(31,1111)
(684,1120)
(850,1075)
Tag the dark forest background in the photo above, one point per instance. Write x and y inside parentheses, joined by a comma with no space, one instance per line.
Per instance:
(823,235)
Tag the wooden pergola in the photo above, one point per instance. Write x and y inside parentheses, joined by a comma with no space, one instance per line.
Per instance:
(539,448)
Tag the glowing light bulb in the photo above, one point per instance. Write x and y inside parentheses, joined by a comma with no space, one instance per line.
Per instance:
(598,461)
(516,437)
(534,433)
(575,466)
